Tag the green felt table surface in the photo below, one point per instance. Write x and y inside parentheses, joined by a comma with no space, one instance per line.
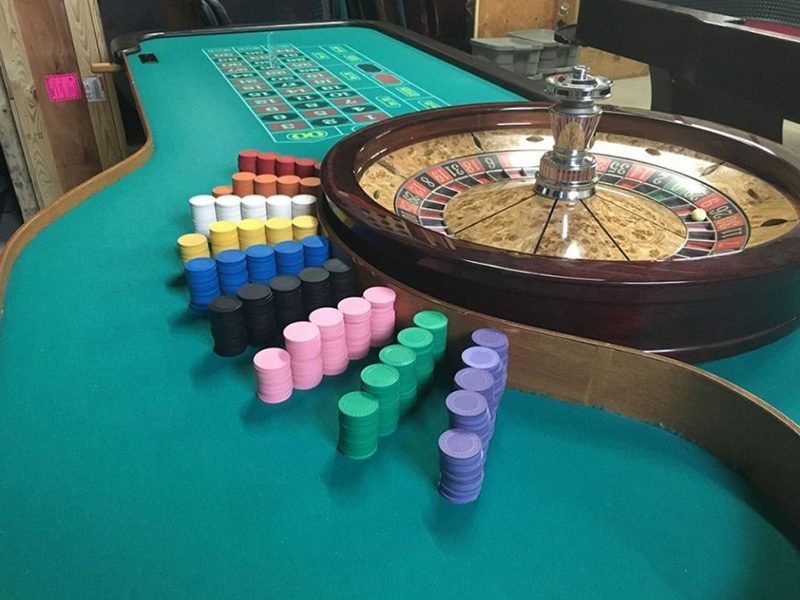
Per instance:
(134,463)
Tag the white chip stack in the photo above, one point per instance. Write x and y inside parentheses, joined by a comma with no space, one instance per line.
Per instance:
(203,213)
(229,208)
(254,207)
(304,204)
(279,206)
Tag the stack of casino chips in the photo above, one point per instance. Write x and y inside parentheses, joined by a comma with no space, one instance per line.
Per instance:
(254,206)
(315,287)
(404,360)
(359,423)
(461,459)
(343,280)
(279,206)
(304,345)
(469,411)
(316,250)
(193,245)
(204,212)
(304,226)
(480,382)
(201,276)
(304,204)
(421,342)
(382,383)
(232,270)
(228,325)
(273,375)
(261,267)
(259,314)
(251,233)
(487,360)
(497,341)
(382,315)
(332,333)
(228,208)
(279,230)
(356,313)
(436,323)
(289,257)
(288,299)
(224,236)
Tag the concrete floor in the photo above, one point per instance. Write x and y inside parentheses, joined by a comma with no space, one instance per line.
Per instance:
(634,92)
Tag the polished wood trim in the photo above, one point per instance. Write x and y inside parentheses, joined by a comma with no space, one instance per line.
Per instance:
(71,199)
(750,436)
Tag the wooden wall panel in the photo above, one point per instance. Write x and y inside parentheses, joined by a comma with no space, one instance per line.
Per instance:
(14,154)
(90,47)
(24,101)
(68,124)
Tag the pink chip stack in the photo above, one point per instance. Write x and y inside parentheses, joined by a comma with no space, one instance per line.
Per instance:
(273,374)
(356,312)
(304,345)
(334,344)
(382,316)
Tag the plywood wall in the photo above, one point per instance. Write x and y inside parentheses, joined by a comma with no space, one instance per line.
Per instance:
(63,143)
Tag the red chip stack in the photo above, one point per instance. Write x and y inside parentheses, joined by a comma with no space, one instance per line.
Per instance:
(265,163)
(247,160)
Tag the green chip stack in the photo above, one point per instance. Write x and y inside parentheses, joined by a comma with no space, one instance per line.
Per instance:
(382,382)
(436,323)
(358,425)
(421,342)
(405,361)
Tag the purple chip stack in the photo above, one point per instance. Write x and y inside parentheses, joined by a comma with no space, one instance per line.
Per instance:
(486,359)
(468,410)
(497,341)
(460,466)
(477,380)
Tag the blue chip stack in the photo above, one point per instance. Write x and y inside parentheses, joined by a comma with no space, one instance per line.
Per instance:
(469,411)
(461,461)
(232,269)
(478,357)
(289,257)
(201,275)
(497,341)
(316,250)
(261,267)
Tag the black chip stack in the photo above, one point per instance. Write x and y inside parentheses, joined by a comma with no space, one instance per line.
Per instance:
(228,325)
(287,297)
(342,280)
(259,314)
(316,288)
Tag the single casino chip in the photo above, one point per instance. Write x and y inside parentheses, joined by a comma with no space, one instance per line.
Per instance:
(460,444)
(380,296)
(419,340)
(466,403)
(479,357)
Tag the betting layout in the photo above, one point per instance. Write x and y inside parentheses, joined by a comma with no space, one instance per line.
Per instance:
(308,93)
(423,198)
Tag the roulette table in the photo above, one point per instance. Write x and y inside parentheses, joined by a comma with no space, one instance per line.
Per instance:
(136,463)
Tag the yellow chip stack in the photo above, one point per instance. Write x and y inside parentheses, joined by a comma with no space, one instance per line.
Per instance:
(279,229)
(224,236)
(304,226)
(193,245)
(251,232)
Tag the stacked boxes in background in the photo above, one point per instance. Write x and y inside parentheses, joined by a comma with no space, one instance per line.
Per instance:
(533,53)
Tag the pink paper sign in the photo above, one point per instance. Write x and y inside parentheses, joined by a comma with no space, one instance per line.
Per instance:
(62,87)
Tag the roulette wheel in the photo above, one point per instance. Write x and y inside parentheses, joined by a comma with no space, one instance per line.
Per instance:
(668,234)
